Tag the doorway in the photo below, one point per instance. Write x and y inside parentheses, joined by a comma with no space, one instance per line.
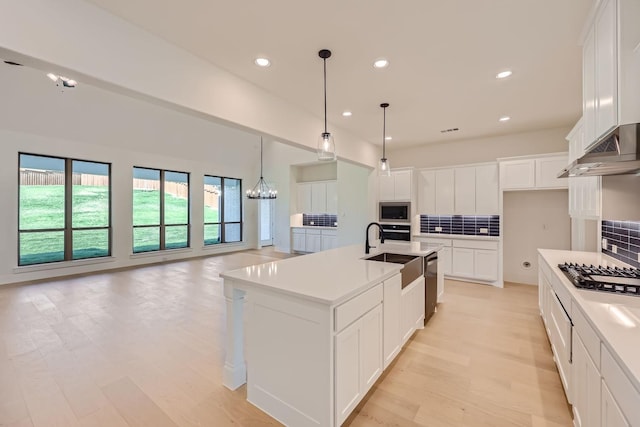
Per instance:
(266,222)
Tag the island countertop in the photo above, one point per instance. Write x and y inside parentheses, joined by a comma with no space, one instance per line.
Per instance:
(328,277)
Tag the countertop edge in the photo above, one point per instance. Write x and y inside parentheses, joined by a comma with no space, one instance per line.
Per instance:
(457,236)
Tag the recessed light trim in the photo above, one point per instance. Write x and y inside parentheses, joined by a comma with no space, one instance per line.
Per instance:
(388,138)
(504,119)
(262,62)
(347,114)
(504,74)
(381,63)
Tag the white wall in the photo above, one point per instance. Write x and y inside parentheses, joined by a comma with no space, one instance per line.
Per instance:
(354,202)
(532,220)
(480,149)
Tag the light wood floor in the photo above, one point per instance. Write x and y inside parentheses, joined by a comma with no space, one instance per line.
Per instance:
(143,347)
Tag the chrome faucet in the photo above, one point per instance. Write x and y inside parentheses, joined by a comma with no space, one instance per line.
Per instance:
(366,242)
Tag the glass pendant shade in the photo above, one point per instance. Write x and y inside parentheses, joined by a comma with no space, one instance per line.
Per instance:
(384,169)
(326,147)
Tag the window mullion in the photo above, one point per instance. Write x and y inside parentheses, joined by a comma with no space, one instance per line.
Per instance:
(223,238)
(162,223)
(68,205)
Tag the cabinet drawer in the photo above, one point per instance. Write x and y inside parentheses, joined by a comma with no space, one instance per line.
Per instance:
(435,241)
(351,310)
(329,233)
(587,334)
(475,244)
(623,392)
(298,231)
(312,231)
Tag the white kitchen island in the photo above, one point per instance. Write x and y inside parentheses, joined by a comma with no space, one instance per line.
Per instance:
(320,329)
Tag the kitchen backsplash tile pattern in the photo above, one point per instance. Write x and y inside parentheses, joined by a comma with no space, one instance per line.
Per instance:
(324,220)
(625,235)
(470,225)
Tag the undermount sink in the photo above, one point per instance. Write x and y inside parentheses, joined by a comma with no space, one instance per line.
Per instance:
(412,269)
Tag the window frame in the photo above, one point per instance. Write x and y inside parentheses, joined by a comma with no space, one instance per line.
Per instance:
(221,224)
(68,228)
(162,226)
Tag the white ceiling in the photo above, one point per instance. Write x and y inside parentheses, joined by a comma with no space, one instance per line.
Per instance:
(444,56)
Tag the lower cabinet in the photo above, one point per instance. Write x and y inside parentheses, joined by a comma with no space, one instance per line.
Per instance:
(329,239)
(392,310)
(612,415)
(412,307)
(298,239)
(312,240)
(358,361)
(586,387)
(475,259)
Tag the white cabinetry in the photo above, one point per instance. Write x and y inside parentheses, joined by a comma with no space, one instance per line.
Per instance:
(397,186)
(586,381)
(299,239)
(312,239)
(358,350)
(610,62)
(412,306)
(533,173)
(612,415)
(584,191)
(317,197)
(329,239)
(468,190)
(474,259)
(391,316)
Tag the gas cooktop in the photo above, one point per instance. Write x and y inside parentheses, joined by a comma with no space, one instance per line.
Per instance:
(606,279)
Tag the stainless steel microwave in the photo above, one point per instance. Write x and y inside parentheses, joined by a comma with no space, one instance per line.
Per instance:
(395,211)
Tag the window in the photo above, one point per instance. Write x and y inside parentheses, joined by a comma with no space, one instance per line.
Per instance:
(160,210)
(64,209)
(222,210)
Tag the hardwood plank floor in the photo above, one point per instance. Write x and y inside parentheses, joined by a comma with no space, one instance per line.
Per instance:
(144,347)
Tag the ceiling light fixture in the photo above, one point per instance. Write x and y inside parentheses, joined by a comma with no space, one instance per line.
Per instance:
(261,190)
(504,118)
(388,138)
(384,162)
(347,114)
(326,144)
(381,63)
(262,62)
(61,80)
(504,74)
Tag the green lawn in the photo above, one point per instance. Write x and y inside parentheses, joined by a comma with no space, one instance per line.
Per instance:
(42,207)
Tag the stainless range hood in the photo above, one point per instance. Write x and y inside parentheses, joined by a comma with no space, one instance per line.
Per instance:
(616,153)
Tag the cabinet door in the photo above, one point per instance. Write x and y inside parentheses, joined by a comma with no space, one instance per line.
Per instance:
(299,243)
(586,396)
(487,190)
(427,192)
(612,416)
(328,242)
(332,197)
(444,191)
(485,264)
(319,197)
(517,174)
(462,262)
(371,348)
(465,191)
(391,317)
(411,297)
(387,188)
(313,242)
(547,169)
(402,184)
(444,260)
(588,91)
(347,370)
(304,198)
(606,67)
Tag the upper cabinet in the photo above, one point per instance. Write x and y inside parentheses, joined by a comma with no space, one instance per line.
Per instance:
(533,173)
(317,197)
(465,190)
(397,186)
(611,65)
(584,191)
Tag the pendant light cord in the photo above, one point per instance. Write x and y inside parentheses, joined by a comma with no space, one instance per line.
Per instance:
(384,130)
(260,157)
(324,60)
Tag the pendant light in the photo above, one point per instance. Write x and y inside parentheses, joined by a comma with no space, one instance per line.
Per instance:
(385,168)
(261,190)
(326,144)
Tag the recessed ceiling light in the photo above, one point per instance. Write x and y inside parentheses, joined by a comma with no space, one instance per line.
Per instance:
(381,63)
(346,114)
(504,74)
(53,77)
(388,138)
(504,118)
(262,62)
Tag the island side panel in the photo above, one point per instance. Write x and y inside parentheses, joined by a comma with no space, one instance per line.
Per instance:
(234,373)
(290,358)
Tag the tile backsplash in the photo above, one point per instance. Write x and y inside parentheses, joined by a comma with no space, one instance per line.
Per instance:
(470,225)
(324,220)
(625,235)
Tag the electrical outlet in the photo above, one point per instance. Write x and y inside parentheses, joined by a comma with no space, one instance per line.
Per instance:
(438,228)
(484,231)
(312,222)
(614,249)
(604,243)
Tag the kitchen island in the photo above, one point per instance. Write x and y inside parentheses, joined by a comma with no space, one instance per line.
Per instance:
(320,329)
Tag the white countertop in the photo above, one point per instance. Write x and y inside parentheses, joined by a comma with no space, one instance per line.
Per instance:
(328,277)
(616,318)
(457,236)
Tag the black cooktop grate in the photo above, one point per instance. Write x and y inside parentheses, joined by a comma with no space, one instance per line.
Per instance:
(606,279)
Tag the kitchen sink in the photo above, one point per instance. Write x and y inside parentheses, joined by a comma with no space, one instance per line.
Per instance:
(413,265)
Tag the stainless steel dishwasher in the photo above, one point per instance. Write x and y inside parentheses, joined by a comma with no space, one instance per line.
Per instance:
(431,285)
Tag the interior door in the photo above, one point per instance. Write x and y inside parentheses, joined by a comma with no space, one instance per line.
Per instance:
(266,222)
